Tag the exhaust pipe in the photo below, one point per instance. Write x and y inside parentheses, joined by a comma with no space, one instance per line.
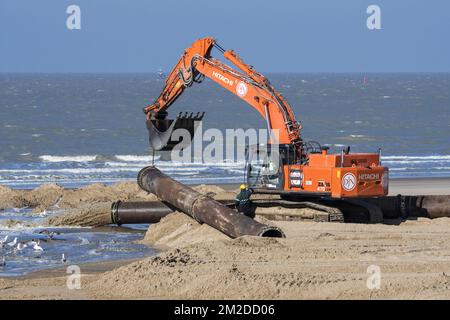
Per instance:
(202,208)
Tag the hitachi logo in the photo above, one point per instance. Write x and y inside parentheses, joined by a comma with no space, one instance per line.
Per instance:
(369,176)
(222,78)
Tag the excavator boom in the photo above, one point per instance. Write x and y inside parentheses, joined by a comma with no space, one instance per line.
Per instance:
(249,85)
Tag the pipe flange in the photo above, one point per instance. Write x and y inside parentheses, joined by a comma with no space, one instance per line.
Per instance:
(115,212)
(140,177)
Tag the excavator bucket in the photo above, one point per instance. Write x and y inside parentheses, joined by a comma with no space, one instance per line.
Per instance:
(160,130)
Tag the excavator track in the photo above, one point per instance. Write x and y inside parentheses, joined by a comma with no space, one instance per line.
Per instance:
(323,213)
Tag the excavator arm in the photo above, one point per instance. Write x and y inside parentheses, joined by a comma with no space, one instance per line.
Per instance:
(249,85)
(181,76)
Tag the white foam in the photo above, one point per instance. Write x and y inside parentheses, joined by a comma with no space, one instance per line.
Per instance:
(414,161)
(70,170)
(357,136)
(134,158)
(85,158)
(172,167)
(433,157)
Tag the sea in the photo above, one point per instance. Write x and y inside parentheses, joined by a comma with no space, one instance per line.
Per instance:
(78,129)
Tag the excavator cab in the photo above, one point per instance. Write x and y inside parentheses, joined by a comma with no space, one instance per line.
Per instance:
(264,168)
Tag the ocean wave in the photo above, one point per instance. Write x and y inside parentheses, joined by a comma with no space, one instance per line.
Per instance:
(84,158)
(85,171)
(431,157)
(358,136)
(135,158)
(415,161)
(114,167)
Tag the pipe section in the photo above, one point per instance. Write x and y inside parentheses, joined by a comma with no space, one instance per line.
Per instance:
(202,208)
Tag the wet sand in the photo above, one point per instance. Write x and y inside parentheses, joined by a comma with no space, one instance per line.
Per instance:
(316,260)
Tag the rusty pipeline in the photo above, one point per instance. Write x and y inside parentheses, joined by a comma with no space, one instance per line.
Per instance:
(413,206)
(202,208)
(138,212)
(392,207)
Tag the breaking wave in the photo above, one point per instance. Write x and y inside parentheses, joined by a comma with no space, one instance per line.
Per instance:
(48,158)
(135,158)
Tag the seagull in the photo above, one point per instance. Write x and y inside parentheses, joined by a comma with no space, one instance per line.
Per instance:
(84,241)
(12,243)
(63,259)
(37,247)
(2,242)
(21,246)
(31,243)
(43,213)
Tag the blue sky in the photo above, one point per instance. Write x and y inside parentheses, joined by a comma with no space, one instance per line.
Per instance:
(274,36)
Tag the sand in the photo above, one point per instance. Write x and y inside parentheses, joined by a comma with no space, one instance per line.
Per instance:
(87,215)
(316,260)
(178,230)
(51,196)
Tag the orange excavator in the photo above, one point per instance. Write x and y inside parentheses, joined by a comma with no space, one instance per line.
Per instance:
(294,167)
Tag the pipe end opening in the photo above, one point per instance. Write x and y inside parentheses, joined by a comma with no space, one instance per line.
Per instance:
(272,232)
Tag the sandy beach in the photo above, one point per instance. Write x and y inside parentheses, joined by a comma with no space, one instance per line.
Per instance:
(316,260)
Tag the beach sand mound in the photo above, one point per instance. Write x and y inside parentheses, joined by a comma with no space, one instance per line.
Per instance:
(177,230)
(10,198)
(86,215)
(48,195)
(44,197)
(101,193)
